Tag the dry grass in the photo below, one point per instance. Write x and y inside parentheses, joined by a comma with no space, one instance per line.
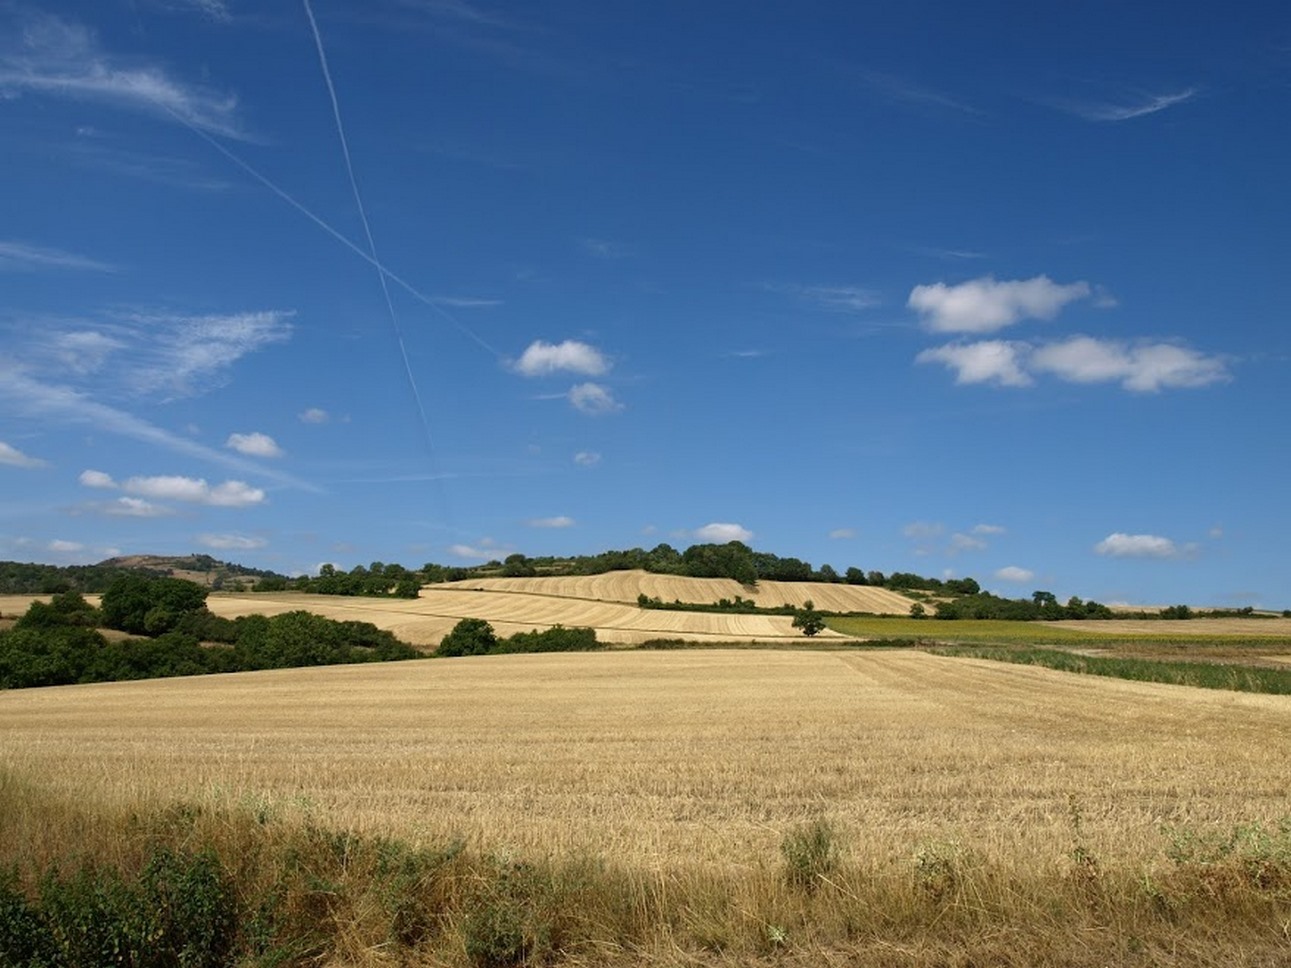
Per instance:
(964,792)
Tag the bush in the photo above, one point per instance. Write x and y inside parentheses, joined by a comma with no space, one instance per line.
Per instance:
(470,636)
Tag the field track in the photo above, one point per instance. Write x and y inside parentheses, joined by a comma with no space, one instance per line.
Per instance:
(679,757)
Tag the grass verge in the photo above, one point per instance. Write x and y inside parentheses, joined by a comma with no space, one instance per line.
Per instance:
(1205,675)
(195,885)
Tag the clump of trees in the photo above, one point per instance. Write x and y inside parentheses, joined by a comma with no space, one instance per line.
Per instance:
(60,643)
(808,619)
(1042,606)
(376,579)
(474,636)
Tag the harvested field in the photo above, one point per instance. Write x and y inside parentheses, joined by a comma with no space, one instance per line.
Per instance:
(425,620)
(681,758)
(625,586)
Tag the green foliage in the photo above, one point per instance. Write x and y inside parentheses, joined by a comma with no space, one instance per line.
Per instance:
(918,611)
(180,911)
(808,619)
(1177,612)
(474,636)
(811,853)
(470,636)
(142,605)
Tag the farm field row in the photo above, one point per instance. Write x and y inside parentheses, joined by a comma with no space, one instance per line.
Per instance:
(692,758)
(625,586)
(1267,632)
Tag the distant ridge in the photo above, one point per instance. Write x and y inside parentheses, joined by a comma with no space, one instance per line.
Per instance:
(201,569)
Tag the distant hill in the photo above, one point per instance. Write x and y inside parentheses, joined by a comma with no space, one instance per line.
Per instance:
(27,578)
(202,569)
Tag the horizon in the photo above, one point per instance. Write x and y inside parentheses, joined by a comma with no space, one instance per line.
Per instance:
(927,290)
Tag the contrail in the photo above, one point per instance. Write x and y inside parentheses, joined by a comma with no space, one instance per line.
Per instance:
(367,229)
(338,236)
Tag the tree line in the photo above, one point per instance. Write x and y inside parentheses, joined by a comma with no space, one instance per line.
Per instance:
(59,643)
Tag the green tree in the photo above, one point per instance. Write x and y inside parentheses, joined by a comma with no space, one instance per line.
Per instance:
(918,611)
(142,605)
(470,636)
(808,619)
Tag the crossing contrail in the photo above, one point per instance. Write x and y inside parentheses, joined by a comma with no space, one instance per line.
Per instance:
(367,228)
(340,237)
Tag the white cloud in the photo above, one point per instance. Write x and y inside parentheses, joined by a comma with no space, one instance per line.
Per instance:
(991,361)
(83,351)
(560,521)
(720,533)
(988,529)
(254,445)
(1121,545)
(22,256)
(1142,367)
(65,547)
(315,415)
(214,9)
(64,59)
(90,478)
(230,542)
(135,507)
(587,458)
(1012,573)
(986,304)
(593,399)
(230,494)
(542,358)
(13,457)
(842,534)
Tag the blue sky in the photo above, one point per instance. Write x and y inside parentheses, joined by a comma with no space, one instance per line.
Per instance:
(995,290)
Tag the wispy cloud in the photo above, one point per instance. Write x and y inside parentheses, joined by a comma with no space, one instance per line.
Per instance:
(541,358)
(34,399)
(848,299)
(467,302)
(24,256)
(985,305)
(842,534)
(587,458)
(159,169)
(62,59)
(900,90)
(1135,105)
(11,456)
(165,355)
(314,415)
(216,10)
(231,542)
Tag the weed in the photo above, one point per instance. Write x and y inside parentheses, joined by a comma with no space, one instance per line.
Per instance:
(811,853)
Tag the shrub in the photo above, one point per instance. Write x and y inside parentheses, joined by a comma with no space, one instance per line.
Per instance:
(470,636)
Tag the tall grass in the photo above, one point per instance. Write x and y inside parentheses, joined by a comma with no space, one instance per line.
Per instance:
(202,885)
(1205,675)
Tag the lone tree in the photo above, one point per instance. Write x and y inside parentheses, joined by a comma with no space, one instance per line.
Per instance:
(808,619)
